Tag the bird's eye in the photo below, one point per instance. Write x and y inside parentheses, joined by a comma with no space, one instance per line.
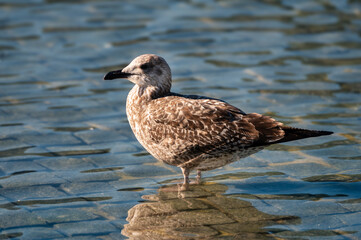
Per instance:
(145,66)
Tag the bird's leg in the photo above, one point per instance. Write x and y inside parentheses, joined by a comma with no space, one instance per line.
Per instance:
(199,177)
(185,185)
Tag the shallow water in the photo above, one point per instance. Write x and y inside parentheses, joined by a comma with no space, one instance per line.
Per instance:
(70,166)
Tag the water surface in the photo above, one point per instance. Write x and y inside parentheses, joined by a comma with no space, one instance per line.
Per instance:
(70,166)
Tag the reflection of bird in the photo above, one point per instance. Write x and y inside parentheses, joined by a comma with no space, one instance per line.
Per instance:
(193,132)
(204,212)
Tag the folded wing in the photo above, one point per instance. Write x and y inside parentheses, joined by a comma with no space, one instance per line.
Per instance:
(204,125)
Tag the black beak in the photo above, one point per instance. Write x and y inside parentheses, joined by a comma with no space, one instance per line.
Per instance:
(116,74)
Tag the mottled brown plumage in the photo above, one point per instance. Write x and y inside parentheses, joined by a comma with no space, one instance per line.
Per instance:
(194,132)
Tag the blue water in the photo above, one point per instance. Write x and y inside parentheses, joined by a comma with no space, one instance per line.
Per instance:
(70,167)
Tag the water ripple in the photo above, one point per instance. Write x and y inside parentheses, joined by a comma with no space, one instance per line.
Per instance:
(65,139)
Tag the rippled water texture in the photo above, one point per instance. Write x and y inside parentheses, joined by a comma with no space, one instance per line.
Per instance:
(70,166)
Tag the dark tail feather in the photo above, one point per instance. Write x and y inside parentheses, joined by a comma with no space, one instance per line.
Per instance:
(298,133)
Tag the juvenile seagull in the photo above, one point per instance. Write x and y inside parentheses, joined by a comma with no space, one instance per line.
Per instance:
(194,132)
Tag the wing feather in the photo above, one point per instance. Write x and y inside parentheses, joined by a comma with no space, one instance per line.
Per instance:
(189,127)
(201,124)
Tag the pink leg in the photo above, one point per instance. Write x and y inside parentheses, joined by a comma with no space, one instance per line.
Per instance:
(199,177)
(185,185)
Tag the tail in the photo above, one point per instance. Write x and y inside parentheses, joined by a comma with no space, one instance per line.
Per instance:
(292,134)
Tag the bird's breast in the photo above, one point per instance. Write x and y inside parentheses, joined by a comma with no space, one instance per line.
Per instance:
(135,111)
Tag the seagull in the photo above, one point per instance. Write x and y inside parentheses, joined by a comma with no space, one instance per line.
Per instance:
(194,132)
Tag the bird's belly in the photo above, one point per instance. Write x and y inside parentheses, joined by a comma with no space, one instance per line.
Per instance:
(219,158)
(172,155)
(222,158)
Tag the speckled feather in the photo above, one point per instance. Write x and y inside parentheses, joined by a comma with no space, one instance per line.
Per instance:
(194,132)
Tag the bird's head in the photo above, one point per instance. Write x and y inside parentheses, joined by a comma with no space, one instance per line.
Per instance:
(146,70)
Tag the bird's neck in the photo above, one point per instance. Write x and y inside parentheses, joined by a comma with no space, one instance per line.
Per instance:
(148,93)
